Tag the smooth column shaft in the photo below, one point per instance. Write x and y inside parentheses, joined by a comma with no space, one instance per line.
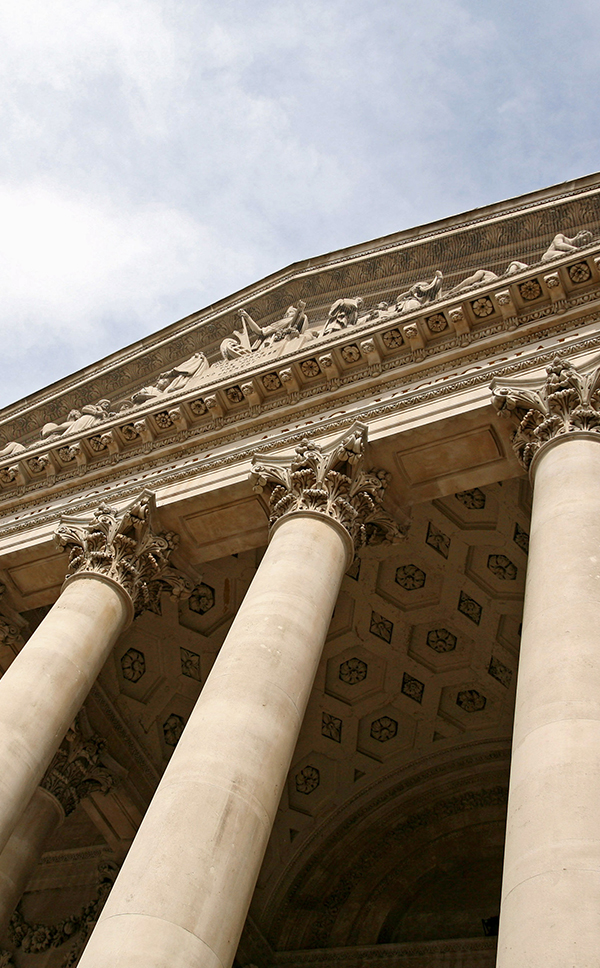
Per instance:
(24,849)
(183,893)
(550,915)
(46,685)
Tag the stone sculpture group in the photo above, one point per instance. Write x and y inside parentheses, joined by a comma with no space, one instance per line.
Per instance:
(253,338)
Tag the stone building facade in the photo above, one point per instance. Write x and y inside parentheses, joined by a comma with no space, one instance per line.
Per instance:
(268,578)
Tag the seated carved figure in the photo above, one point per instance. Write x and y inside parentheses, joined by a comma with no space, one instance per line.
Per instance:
(151,392)
(342,314)
(179,376)
(561,245)
(241,342)
(420,294)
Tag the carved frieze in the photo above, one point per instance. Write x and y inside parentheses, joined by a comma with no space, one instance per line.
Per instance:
(567,401)
(124,546)
(258,342)
(330,480)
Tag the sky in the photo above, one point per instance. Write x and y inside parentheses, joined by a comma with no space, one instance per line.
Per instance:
(158,155)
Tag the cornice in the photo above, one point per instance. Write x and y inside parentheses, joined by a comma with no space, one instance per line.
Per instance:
(377,369)
(125,369)
(165,469)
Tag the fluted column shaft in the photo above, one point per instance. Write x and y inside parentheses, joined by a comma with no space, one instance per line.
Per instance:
(46,685)
(19,859)
(550,913)
(184,890)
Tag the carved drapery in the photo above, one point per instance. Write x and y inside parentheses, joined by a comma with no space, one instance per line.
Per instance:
(568,401)
(125,547)
(330,480)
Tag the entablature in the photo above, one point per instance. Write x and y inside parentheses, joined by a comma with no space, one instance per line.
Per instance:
(277,383)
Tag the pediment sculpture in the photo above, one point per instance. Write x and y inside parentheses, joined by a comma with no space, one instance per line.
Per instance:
(562,245)
(78,421)
(419,294)
(252,336)
(175,379)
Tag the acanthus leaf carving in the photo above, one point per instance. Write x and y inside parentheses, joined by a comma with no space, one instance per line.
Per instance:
(123,546)
(77,770)
(568,401)
(330,480)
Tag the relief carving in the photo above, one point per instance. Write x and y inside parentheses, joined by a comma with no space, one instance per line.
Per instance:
(124,546)
(78,421)
(287,333)
(35,937)
(420,294)
(252,336)
(568,400)
(330,480)
(11,449)
(561,245)
(77,770)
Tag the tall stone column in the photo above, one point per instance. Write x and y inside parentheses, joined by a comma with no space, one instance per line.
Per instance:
(550,911)
(183,893)
(75,772)
(116,563)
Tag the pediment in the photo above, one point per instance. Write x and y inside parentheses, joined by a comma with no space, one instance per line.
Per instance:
(360,318)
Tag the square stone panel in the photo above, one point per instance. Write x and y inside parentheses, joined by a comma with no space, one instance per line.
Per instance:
(381,627)
(500,671)
(412,687)
(331,727)
(437,540)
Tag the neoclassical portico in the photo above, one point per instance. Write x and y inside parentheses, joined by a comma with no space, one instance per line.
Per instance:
(294,543)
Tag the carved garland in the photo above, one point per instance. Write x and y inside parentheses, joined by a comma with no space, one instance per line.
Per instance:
(34,938)
(568,401)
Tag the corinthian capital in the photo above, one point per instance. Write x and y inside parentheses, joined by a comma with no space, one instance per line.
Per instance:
(125,547)
(330,480)
(77,770)
(567,401)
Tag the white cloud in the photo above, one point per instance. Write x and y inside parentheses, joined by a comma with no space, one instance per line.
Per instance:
(157,154)
(83,261)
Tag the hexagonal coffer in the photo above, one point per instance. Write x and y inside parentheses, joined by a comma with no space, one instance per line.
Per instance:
(354,674)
